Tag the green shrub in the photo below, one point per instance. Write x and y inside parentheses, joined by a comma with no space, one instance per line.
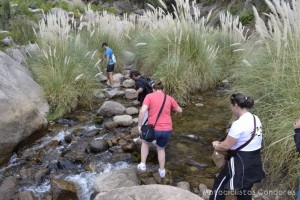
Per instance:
(5,14)
(22,30)
(246,17)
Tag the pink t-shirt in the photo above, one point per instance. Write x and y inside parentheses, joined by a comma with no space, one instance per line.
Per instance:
(154,102)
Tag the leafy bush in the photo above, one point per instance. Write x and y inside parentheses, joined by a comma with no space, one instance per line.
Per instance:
(246,17)
(22,30)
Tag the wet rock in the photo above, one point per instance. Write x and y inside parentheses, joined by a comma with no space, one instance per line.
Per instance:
(65,121)
(131,94)
(53,164)
(7,187)
(23,105)
(68,138)
(125,157)
(41,175)
(184,185)
(66,164)
(76,152)
(111,108)
(63,190)
(117,179)
(128,147)
(90,133)
(196,164)
(123,120)
(27,174)
(134,132)
(132,111)
(98,146)
(24,195)
(110,125)
(136,103)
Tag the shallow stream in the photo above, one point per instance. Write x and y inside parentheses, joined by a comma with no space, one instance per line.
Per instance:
(187,154)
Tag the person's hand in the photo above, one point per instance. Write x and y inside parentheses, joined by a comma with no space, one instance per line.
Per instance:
(297,124)
(139,128)
(215,143)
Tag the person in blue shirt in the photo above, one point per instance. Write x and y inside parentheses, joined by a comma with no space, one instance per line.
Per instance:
(110,63)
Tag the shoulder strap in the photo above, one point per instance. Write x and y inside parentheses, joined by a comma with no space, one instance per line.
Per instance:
(161,108)
(252,136)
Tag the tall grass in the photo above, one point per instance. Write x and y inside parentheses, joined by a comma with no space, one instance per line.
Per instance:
(181,49)
(64,67)
(271,76)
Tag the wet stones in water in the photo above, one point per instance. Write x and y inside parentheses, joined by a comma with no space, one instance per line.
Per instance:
(98,146)
(66,121)
(24,195)
(66,164)
(62,189)
(196,164)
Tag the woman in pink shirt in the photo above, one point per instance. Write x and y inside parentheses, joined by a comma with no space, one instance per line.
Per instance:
(163,128)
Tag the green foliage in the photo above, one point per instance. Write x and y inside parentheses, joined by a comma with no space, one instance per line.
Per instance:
(62,4)
(5,14)
(111,10)
(246,17)
(56,70)
(22,30)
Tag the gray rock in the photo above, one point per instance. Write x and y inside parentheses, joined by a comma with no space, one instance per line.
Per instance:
(131,94)
(184,185)
(148,192)
(8,42)
(128,83)
(98,146)
(99,93)
(23,106)
(62,189)
(16,55)
(132,111)
(112,180)
(7,187)
(111,108)
(123,120)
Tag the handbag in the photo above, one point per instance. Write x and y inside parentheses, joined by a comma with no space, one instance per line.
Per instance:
(220,157)
(147,130)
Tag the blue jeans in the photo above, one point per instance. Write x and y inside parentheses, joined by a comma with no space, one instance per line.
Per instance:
(298,194)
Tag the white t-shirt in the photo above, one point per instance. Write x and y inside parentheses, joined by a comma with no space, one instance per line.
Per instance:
(241,130)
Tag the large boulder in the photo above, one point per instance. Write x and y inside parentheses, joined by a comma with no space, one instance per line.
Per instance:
(111,108)
(148,192)
(23,106)
(112,180)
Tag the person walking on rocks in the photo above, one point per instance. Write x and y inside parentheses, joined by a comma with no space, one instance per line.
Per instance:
(243,143)
(163,128)
(141,87)
(109,62)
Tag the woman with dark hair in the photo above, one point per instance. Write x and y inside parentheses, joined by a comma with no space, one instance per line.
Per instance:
(243,143)
(163,127)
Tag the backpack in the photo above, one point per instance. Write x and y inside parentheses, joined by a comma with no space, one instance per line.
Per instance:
(113,57)
(148,83)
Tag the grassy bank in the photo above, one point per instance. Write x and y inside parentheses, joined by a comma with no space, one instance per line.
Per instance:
(272,78)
